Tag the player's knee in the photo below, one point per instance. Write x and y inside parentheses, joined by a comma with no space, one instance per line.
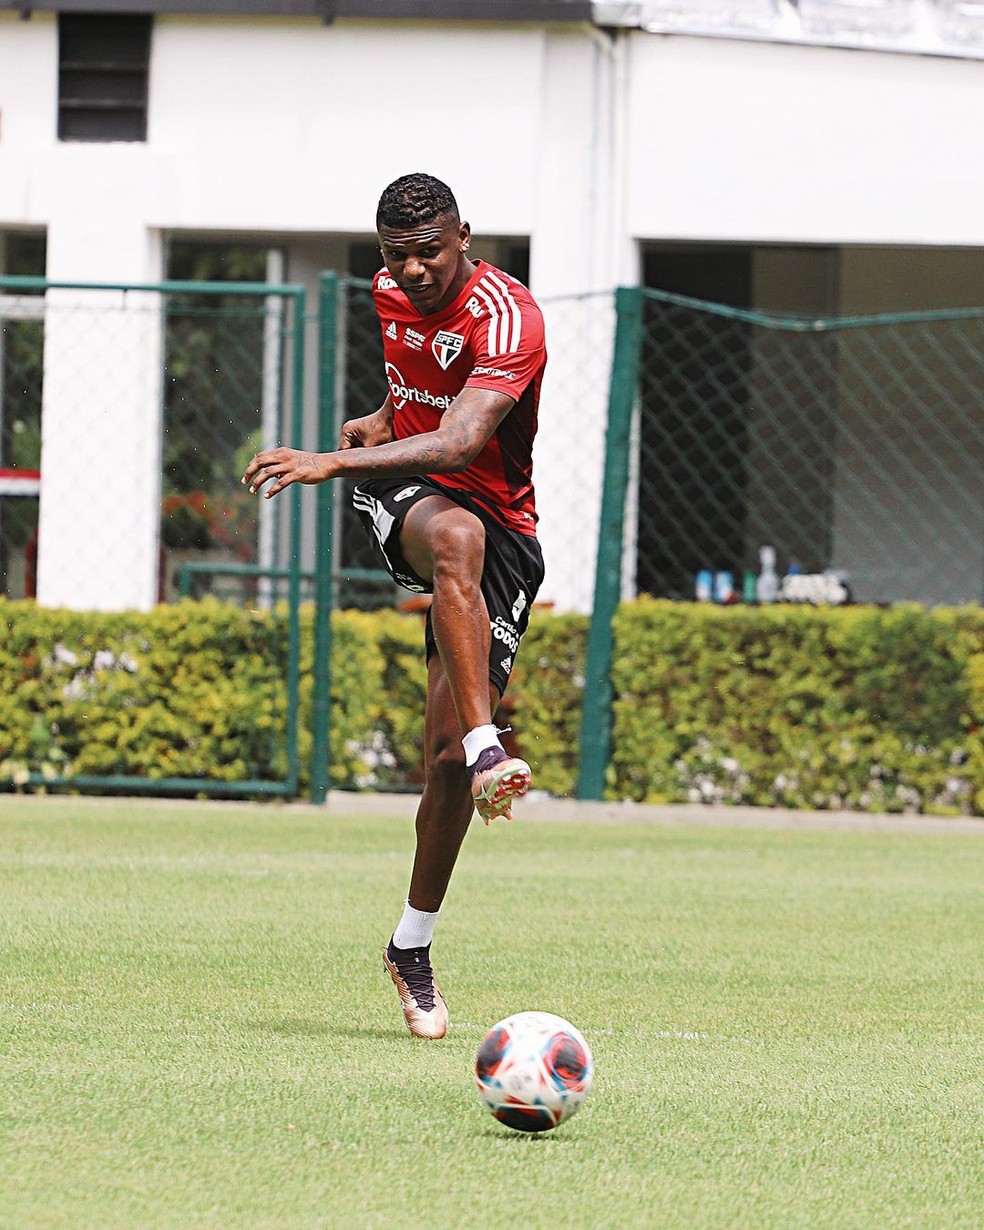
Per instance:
(459,550)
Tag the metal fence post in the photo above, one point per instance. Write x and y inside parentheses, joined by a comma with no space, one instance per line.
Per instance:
(299,299)
(596,717)
(323,563)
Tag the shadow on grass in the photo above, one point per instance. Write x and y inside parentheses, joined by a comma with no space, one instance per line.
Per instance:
(505,1134)
(289,1027)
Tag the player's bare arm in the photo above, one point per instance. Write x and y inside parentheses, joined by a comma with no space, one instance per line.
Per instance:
(370,430)
(466,427)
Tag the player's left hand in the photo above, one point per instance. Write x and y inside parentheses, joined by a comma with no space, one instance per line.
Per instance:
(281,467)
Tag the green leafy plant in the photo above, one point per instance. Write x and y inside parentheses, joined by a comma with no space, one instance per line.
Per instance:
(855,708)
(852,708)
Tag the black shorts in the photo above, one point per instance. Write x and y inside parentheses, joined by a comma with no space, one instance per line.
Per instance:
(511,577)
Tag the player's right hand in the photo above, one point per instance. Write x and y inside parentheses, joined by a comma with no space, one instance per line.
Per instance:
(284,466)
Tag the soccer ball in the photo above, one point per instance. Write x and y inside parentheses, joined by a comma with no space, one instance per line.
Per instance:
(533,1070)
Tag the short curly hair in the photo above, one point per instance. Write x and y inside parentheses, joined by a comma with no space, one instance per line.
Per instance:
(413,199)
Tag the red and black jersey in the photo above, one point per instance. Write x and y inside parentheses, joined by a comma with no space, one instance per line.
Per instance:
(489,337)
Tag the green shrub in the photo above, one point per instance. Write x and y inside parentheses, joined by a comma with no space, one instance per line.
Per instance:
(184,691)
(855,707)
(543,704)
(379,685)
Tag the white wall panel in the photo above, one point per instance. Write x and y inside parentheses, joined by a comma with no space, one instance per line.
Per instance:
(28,82)
(290,126)
(764,141)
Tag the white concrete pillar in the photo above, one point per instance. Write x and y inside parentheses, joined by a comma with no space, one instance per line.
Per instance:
(579,253)
(99,516)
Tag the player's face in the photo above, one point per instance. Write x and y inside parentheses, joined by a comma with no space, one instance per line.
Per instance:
(428,261)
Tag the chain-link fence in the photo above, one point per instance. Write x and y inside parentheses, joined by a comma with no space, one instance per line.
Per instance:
(848,452)
(152,400)
(853,448)
(848,445)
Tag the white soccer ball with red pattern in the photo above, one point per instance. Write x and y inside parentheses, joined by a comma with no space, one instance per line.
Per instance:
(533,1071)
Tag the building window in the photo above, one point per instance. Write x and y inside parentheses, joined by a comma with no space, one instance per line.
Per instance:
(103,62)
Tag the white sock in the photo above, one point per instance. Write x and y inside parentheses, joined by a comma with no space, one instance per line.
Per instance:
(415,929)
(477,740)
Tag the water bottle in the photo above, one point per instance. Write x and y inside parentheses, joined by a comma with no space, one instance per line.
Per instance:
(724,587)
(703,590)
(768,579)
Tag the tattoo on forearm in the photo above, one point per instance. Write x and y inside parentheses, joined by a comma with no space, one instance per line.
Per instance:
(442,452)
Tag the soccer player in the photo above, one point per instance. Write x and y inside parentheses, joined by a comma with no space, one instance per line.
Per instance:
(446,493)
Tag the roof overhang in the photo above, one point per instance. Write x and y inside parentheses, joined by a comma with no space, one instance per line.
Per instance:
(917,27)
(324,10)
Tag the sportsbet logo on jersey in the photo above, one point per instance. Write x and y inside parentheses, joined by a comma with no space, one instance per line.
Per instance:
(401,392)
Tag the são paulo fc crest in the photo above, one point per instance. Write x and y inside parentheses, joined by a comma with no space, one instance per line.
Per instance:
(447,347)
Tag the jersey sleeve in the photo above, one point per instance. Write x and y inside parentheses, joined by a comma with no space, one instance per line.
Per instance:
(385,297)
(508,339)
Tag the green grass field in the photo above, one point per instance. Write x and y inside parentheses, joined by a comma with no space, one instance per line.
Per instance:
(195,1028)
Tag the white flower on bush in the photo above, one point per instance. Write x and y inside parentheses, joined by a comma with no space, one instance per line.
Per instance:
(908,796)
(373,755)
(77,687)
(81,685)
(710,777)
(106,660)
(784,785)
(15,771)
(954,794)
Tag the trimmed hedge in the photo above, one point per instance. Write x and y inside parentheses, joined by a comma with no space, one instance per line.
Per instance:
(181,691)
(854,707)
(543,704)
(198,689)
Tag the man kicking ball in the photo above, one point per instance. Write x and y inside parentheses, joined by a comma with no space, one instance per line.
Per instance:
(445,491)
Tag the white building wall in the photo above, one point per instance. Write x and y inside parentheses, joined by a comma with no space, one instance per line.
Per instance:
(586,143)
(270,125)
(777,142)
(28,102)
